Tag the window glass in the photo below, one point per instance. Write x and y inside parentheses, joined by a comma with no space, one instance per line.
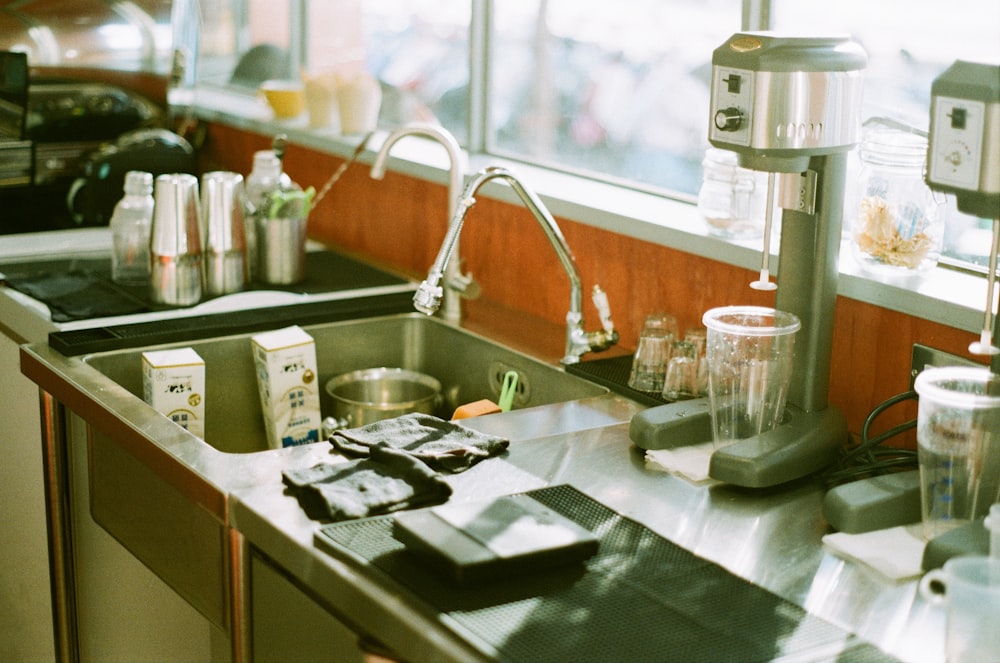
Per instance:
(419,51)
(248,42)
(615,88)
(127,36)
(909,43)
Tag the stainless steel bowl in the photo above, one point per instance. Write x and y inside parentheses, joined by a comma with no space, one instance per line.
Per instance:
(372,394)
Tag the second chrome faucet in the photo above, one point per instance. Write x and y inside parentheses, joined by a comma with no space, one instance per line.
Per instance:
(578,341)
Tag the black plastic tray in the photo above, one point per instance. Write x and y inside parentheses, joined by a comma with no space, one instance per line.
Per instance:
(176,330)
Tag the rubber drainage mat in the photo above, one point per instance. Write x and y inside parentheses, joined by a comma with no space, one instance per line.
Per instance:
(78,295)
(613,373)
(640,598)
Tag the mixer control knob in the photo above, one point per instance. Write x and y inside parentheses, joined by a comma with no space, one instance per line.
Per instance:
(728,119)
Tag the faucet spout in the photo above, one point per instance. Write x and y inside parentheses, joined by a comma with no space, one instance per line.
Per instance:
(457,283)
(578,341)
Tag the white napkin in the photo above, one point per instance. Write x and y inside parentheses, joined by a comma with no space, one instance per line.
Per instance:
(689,462)
(895,552)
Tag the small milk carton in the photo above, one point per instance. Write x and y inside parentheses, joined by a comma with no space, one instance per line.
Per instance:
(173,382)
(287,379)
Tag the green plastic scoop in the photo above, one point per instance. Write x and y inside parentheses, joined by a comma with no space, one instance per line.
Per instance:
(290,203)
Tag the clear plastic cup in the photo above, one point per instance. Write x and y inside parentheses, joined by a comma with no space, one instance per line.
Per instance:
(958,445)
(749,351)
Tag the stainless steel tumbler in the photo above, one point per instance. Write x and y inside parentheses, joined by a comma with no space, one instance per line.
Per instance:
(282,245)
(175,241)
(225,255)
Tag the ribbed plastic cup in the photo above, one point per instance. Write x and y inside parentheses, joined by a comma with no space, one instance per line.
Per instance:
(749,352)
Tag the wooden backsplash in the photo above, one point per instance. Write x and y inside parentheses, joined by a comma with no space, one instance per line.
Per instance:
(401,221)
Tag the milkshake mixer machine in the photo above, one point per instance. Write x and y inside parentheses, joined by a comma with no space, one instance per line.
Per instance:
(789,106)
(963,158)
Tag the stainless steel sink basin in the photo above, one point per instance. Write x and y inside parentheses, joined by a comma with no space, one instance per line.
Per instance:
(468,366)
(165,494)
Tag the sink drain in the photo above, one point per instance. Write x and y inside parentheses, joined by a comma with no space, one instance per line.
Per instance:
(495,373)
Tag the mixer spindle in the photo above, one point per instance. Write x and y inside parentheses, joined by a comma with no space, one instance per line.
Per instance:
(985,346)
(765,282)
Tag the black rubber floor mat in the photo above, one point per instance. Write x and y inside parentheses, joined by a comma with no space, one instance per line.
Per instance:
(641,598)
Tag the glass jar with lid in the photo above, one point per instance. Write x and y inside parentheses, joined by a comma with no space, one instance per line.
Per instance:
(897,225)
(731,198)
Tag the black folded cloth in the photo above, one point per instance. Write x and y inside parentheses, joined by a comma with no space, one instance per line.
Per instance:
(78,295)
(388,480)
(443,445)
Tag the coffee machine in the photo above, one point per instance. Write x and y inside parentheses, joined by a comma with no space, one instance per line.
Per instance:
(15,149)
(59,134)
(789,106)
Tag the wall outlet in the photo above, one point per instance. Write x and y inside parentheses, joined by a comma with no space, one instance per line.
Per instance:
(925,356)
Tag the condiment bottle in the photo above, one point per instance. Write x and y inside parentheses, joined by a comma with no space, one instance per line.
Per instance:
(130,226)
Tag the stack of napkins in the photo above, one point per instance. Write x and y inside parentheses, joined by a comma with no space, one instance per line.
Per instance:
(895,552)
(689,462)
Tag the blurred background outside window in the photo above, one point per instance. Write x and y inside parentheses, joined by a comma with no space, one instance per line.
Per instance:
(610,90)
(131,35)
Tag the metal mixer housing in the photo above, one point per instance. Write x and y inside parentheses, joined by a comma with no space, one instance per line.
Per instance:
(778,100)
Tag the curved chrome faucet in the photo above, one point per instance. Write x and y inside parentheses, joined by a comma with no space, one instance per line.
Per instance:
(578,341)
(458,285)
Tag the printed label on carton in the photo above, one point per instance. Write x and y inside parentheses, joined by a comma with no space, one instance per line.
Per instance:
(173,383)
(287,378)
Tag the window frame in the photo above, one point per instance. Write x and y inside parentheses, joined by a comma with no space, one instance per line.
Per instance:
(949,296)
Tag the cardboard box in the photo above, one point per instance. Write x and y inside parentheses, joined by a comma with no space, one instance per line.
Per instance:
(287,379)
(173,382)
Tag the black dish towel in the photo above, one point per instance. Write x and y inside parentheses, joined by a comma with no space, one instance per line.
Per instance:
(388,480)
(443,445)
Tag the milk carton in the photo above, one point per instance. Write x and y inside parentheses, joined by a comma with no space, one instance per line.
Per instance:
(287,379)
(173,382)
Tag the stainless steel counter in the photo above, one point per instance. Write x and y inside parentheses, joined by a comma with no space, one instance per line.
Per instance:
(770,538)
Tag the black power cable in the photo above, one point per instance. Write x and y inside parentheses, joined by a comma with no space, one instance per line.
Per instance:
(871,457)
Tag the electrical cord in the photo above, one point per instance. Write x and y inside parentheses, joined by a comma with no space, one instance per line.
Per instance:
(870,457)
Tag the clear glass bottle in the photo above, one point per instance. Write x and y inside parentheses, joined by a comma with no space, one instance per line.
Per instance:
(730,199)
(265,178)
(897,227)
(130,225)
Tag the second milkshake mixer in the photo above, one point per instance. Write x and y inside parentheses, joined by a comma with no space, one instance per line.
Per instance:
(789,106)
